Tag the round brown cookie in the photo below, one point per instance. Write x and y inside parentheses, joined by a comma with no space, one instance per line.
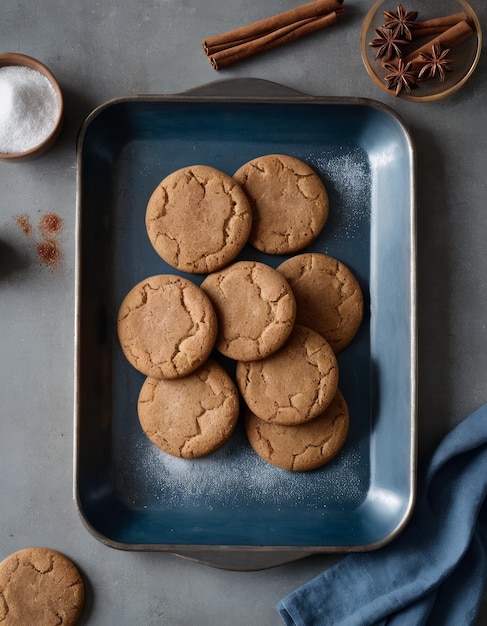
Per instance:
(328,296)
(40,586)
(198,219)
(192,416)
(293,385)
(167,326)
(304,447)
(255,308)
(289,202)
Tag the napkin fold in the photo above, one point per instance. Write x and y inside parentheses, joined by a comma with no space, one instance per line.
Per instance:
(435,571)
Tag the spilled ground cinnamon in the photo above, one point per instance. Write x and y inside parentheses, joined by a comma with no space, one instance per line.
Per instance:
(227,48)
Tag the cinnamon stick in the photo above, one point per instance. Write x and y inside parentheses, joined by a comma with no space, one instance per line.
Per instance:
(218,47)
(438,25)
(448,39)
(243,42)
(227,56)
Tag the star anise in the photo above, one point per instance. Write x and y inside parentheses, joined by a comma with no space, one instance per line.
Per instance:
(388,43)
(400,77)
(401,23)
(436,63)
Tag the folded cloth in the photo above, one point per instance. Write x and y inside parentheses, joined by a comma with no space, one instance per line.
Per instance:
(435,571)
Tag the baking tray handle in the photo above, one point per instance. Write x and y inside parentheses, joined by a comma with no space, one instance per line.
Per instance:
(244,88)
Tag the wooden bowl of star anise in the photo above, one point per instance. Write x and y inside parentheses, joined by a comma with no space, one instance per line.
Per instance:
(420,50)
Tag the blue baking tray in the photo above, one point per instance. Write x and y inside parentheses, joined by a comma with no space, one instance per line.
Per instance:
(232,509)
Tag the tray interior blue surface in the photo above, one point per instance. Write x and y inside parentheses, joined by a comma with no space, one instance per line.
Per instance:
(130,493)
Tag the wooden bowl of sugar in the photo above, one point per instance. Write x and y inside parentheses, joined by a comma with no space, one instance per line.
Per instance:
(31,108)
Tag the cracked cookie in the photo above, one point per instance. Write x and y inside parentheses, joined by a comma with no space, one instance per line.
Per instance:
(166,326)
(198,219)
(304,447)
(255,308)
(289,202)
(40,586)
(192,416)
(328,296)
(293,385)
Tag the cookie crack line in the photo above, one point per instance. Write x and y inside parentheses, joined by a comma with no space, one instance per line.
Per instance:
(265,441)
(192,332)
(232,214)
(282,294)
(282,234)
(167,235)
(199,431)
(327,372)
(309,353)
(297,395)
(246,368)
(4,608)
(162,206)
(321,445)
(315,400)
(297,455)
(220,279)
(255,283)
(131,309)
(217,392)
(200,181)
(76,583)
(256,165)
(271,303)
(299,178)
(261,373)
(153,388)
(145,290)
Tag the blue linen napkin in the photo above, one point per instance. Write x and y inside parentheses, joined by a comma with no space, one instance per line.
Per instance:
(435,572)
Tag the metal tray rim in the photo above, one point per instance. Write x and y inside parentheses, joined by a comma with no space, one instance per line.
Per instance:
(261,91)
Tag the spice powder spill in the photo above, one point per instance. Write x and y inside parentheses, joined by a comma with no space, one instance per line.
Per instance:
(23,222)
(48,252)
(50,224)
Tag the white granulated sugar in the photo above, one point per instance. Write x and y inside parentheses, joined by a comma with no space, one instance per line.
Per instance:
(29,108)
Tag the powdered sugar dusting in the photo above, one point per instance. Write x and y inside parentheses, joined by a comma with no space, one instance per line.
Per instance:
(149,478)
(346,174)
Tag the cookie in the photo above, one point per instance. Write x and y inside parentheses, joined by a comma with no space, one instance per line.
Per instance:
(192,416)
(304,447)
(328,296)
(255,308)
(289,202)
(40,586)
(198,219)
(166,326)
(295,384)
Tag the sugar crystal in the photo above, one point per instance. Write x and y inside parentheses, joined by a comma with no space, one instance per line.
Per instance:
(29,108)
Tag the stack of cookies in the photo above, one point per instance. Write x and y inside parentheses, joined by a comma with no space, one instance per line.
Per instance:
(283,326)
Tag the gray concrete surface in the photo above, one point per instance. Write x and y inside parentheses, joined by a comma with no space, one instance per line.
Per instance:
(99,49)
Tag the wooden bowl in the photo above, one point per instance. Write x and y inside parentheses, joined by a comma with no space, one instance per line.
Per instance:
(466,54)
(14,58)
